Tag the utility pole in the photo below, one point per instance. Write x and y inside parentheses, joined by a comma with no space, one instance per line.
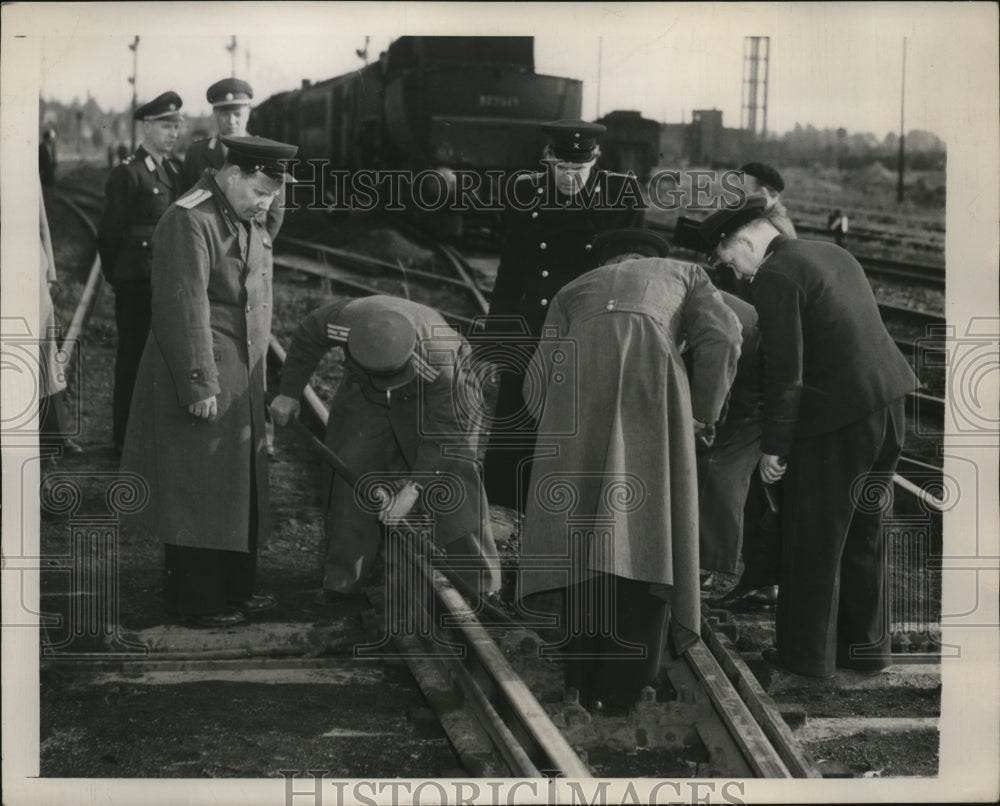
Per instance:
(231,47)
(134,47)
(902,135)
(600,48)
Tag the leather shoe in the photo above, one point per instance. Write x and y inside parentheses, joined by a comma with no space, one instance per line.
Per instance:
(257,603)
(228,618)
(706,580)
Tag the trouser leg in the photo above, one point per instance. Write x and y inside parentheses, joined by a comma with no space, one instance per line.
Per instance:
(817,514)
(617,637)
(761,536)
(133,314)
(240,567)
(506,467)
(476,562)
(194,583)
(863,631)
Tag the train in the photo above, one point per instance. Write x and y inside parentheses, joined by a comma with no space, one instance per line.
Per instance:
(631,143)
(437,103)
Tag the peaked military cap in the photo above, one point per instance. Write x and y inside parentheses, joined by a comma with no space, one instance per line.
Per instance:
(728,220)
(229,92)
(260,154)
(688,236)
(765,174)
(573,140)
(621,241)
(382,344)
(162,107)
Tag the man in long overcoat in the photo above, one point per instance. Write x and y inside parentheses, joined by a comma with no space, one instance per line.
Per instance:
(406,408)
(612,511)
(196,430)
(549,225)
(834,401)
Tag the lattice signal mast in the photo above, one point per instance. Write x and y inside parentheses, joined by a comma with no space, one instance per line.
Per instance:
(756,54)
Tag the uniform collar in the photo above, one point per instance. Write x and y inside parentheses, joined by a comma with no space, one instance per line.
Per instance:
(775,243)
(227,210)
(143,156)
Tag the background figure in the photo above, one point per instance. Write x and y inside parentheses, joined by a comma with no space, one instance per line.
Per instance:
(834,393)
(404,409)
(548,230)
(763,181)
(47,158)
(53,419)
(138,192)
(837,223)
(613,488)
(196,429)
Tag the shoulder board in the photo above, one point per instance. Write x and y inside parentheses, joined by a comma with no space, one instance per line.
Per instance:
(533,177)
(194,198)
(618,175)
(337,332)
(212,142)
(172,165)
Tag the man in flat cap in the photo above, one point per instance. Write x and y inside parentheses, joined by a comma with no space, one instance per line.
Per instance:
(196,429)
(137,193)
(618,499)
(549,225)
(834,392)
(404,409)
(763,180)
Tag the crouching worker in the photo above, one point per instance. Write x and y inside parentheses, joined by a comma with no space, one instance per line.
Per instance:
(403,409)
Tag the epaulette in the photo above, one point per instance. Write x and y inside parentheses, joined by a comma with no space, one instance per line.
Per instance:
(194,198)
(532,176)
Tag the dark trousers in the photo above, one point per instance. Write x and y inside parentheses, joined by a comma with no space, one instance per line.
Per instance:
(761,535)
(133,314)
(507,466)
(831,604)
(203,582)
(616,636)
(725,469)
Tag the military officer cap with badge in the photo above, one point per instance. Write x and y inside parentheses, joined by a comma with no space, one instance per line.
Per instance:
(163,107)
(765,174)
(573,140)
(384,345)
(628,241)
(253,154)
(229,92)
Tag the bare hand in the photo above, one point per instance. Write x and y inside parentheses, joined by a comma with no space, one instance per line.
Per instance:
(283,409)
(207,409)
(772,468)
(704,434)
(401,504)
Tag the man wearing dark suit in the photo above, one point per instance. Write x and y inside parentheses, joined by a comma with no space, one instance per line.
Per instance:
(549,225)
(834,392)
(138,192)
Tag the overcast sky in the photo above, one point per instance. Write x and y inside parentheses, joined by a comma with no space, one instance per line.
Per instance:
(832,64)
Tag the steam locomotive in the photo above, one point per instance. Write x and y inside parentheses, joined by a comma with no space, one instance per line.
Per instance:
(438,102)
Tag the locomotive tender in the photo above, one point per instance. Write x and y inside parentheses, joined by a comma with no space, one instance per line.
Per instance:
(436,103)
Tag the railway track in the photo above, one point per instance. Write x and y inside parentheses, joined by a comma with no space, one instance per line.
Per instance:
(740,730)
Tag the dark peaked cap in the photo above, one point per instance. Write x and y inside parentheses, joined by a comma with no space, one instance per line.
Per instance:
(229,92)
(162,107)
(728,220)
(260,154)
(573,140)
(764,174)
(620,241)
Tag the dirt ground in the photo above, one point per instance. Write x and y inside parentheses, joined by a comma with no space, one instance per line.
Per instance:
(211,728)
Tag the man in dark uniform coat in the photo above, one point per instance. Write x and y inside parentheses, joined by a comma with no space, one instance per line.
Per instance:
(834,393)
(549,226)
(137,193)
(196,430)
(398,410)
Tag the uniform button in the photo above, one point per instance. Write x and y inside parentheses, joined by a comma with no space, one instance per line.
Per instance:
(144,243)
(249,343)
(534,214)
(540,191)
(611,305)
(544,302)
(545,274)
(588,247)
(249,308)
(543,245)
